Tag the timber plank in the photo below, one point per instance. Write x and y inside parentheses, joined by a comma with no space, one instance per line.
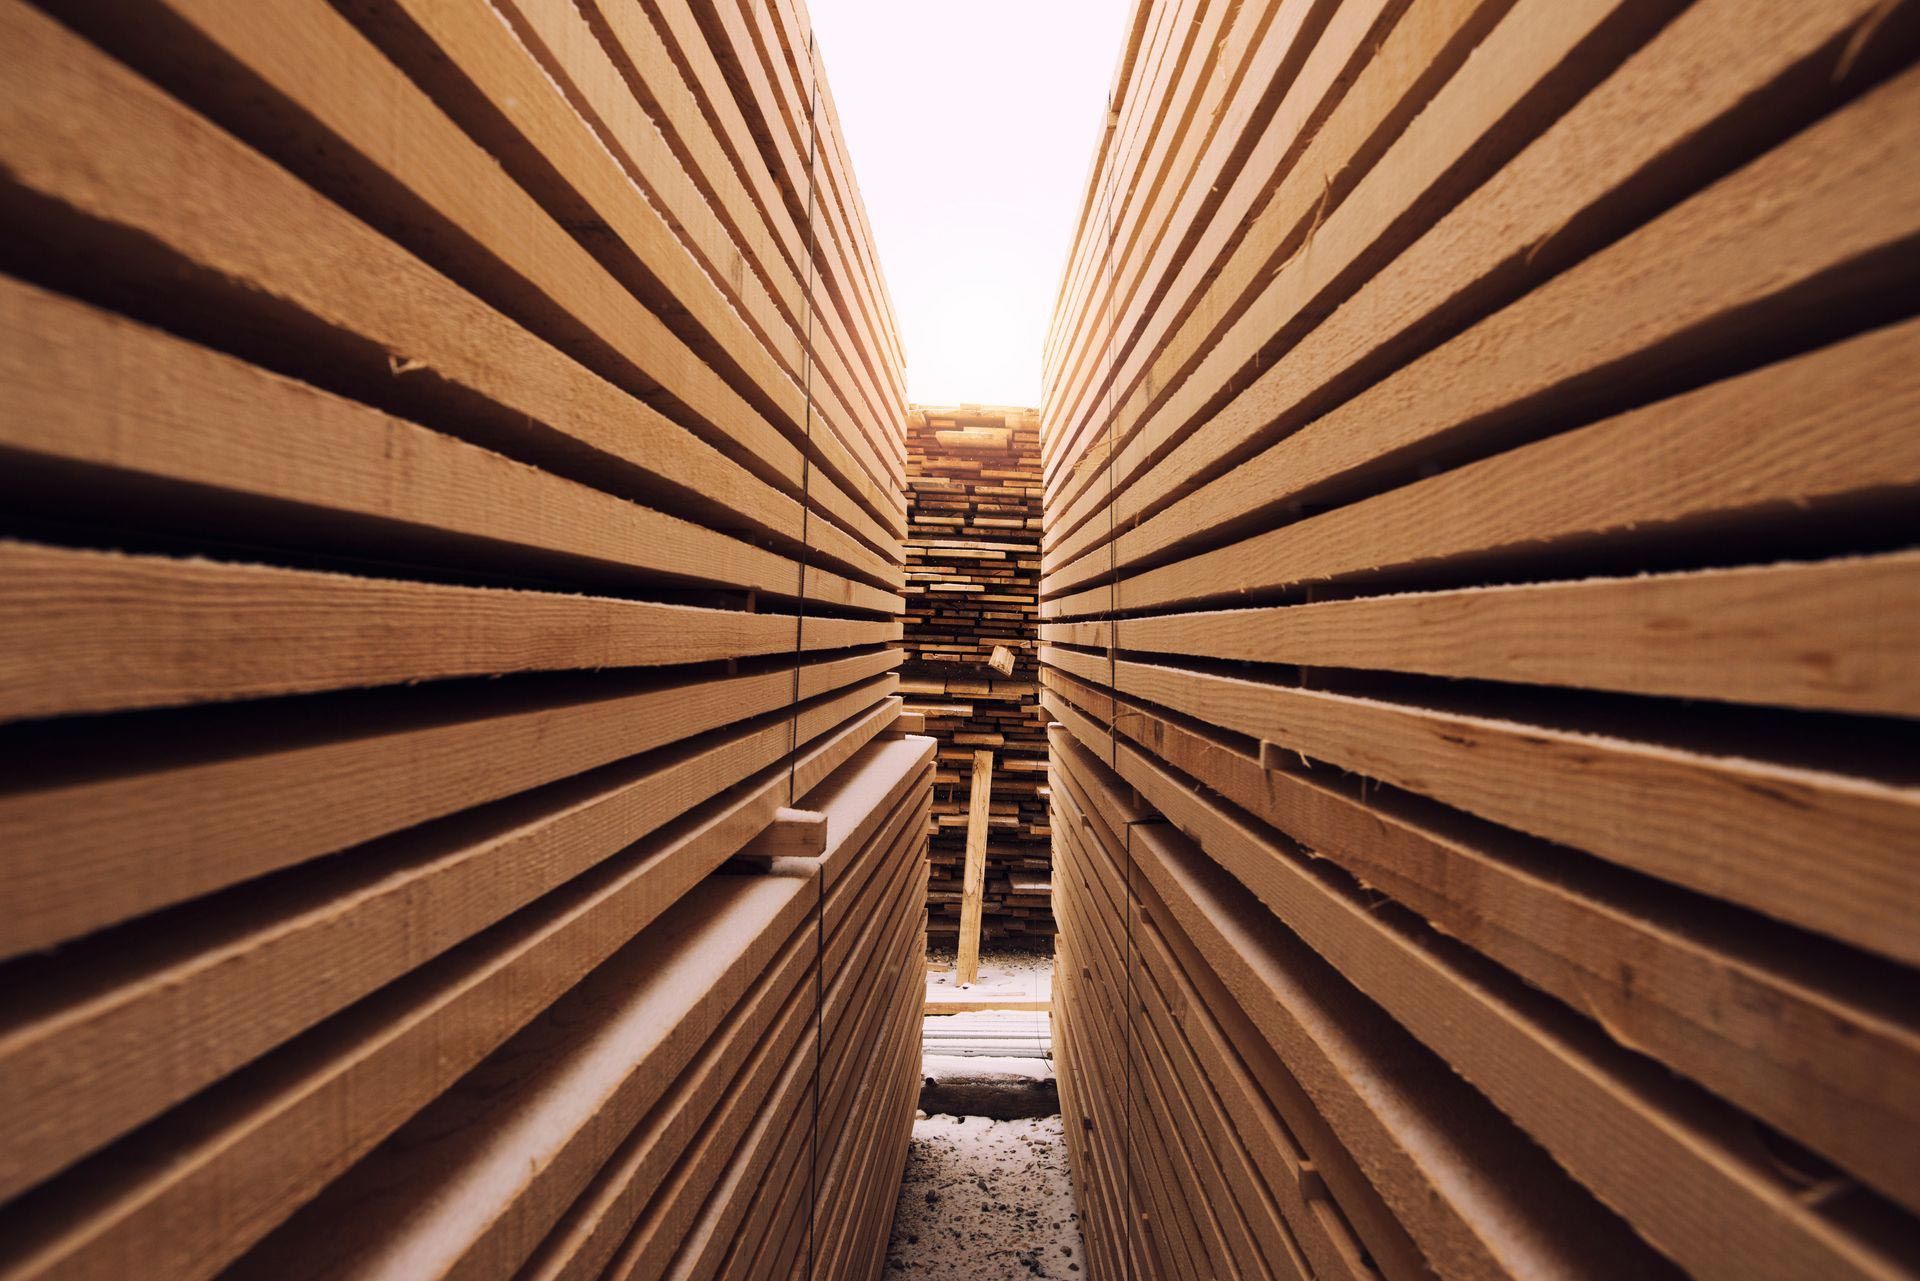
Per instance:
(1807,219)
(176,179)
(1815,848)
(1284,998)
(92,852)
(1821,1056)
(1834,635)
(105,631)
(1737,1216)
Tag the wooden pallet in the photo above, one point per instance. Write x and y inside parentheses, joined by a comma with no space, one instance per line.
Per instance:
(1478,603)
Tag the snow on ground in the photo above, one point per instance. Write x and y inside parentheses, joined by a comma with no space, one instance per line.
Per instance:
(986,1201)
(1002,1033)
(1010,976)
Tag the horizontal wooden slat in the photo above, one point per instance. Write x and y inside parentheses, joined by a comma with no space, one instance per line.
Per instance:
(1833,635)
(1817,431)
(207,993)
(1602,1114)
(462,212)
(217,1176)
(455,465)
(92,852)
(178,424)
(172,178)
(472,1183)
(1334,1043)
(1818,849)
(1476,578)
(1820,1055)
(1842,217)
(103,631)
(1726,249)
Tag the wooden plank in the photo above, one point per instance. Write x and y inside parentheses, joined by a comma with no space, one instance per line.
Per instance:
(479,226)
(1833,635)
(698,55)
(1265,60)
(1820,432)
(794,833)
(944,1006)
(1132,124)
(103,631)
(1812,847)
(217,1176)
(1288,998)
(771,1163)
(594,1228)
(678,1213)
(520,1142)
(158,830)
(1359,84)
(1738,1216)
(817,763)
(1313,1244)
(215,203)
(968,624)
(206,422)
(569,53)
(1801,217)
(854,799)
(210,995)
(711,118)
(966,969)
(781,89)
(1542,196)
(1439,154)
(371,352)
(1816,1056)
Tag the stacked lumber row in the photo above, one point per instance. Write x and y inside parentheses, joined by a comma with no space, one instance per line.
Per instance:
(452,465)
(973,545)
(871,879)
(973,566)
(1478,609)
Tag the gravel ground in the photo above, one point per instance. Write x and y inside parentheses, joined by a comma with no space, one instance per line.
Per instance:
(986,1201)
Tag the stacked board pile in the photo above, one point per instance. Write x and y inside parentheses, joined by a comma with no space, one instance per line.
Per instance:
(973,566)
(1479,611)
(871,879)
(452,461)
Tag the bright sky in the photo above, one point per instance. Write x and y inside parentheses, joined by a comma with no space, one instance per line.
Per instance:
(971,124)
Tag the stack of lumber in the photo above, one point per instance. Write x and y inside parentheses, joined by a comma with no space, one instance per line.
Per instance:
(1479,604)
(973,565)
(871,878)
(453,468)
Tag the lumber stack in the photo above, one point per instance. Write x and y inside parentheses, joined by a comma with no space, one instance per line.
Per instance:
(973,565)
(1478,609)
(871,878)
(453,467)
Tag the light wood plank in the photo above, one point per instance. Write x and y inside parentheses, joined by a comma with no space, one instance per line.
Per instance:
(1834,635)
(90,852)
(101,631)
(1818,849)
(966,967)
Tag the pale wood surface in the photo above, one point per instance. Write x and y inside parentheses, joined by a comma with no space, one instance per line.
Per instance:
(967,967)
(460,468)
(1478,545)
